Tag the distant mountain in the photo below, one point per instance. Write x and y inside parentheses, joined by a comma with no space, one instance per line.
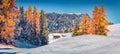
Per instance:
(61,22)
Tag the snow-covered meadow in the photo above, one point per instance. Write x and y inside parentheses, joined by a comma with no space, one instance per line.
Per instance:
(85,44)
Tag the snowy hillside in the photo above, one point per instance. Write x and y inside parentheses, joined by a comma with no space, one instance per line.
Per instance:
(114,30)
(85,44)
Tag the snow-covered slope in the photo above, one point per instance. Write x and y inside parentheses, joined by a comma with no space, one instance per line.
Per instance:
(85,44)
(114,31)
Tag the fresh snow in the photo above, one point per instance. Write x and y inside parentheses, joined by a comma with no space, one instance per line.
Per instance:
(114,31)
(84,44)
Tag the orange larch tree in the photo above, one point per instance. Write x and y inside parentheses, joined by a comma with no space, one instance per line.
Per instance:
(84,24)
(93,23)
(7,21)
(96,25)
(103,23)
(36,26)
(36,20)
(29,14)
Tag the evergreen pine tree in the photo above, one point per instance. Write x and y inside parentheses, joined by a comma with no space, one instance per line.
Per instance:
(43,29)
(21,10)
(76,30)
(21,26)
(30,25)
(26,33)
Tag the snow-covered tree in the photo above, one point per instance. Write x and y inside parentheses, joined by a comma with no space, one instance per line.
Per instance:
(30,26)
(36,27)
(26,32)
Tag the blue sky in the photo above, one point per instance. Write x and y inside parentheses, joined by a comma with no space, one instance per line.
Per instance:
(112,7)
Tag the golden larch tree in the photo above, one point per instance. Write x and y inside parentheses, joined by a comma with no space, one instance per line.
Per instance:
(29,14)
(93,23)
(103,23)
(84,24)
(7,22)
(36,20)
(96,25)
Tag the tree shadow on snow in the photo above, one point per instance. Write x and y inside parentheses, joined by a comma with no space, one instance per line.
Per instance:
(5,48)
(7,52)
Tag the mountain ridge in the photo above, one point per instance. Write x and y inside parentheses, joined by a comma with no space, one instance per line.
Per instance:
(60,22)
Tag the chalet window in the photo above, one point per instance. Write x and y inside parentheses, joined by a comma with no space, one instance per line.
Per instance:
(56,37)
